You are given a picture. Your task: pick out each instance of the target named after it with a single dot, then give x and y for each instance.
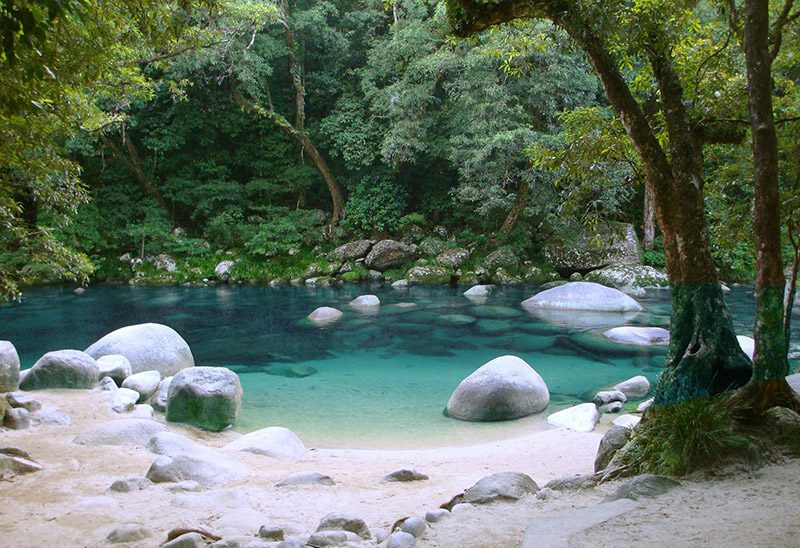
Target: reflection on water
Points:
(366, 380)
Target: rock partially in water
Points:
(325, 315)
(275, 441)
(116, 366)
(9, 367)
(504, 388)
(207, 397)
(580, 418)
(634, 388)
(583, 296)
(638, 335)
(305, 478)
(502, 486)
(479, 291)
(62, 369)
(148, 346)
(366, 303)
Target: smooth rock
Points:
(400, 284)
(116, 366)
(502, 486)
(145, 383)
(128, 533)
(583, 296)
(305, 478)
(142, 411)
(363, 302)
(794, 382)
(26, 401)
(634, 388)
(188, 540)
(479, 291)
(51, 416)
(14, 462)
(183, 459)
(127, 485)
(62, 369)
(344, 522)
(223, 270)
(120, 432)
(452, 258)
(613, 440)
(646, 486)
(207, 397)
(404, 474)
(271, 533)
(504, 388)
(612, 407)
(17, 418)
(148, 347)
(332, 538)
(604, 397)
(184, 486)
(325, 315)
(638, 335)
(580, 418)
(414, 526)
(124, 400)
(645, 405)
(388, 254)
(274, 441)
(107, 384)
(401, 539)
(572, 483)
(462, 507)
(748, 345)
(353, 250)
(159, 399)
(628, 421)
(436, 515)
(9, 367)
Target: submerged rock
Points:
(638, 335)
(583, 296)
(9, 367)
(366, 303)
(148, 347)
(62, 369)
(504, 388)
(207, 397)
(275, 441)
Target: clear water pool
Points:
(377, 380)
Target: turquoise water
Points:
(377, 380)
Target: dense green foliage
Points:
(148, 128)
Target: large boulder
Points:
(583, 296)
(502, 486)
(634, 388)
(452, 258)
(428, 275)
(148, 346)
(353, 250)
(120, 432)
(207, 397)
(580, 418)
(276, 441)
(62, 369)
(503, 257)
(388, 254)
(628, 275)
(611, 243)
(9, 367)
(638, 335)
(504, 388)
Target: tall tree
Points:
(704, 357)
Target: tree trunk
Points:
(517, 209)
(791, 286)
(649, 221)
(704, 357)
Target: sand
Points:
(69, 503)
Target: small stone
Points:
(604, 397)
(642, 407)
(321, 539)
(436, 515)
(107, 384)
(128, 533)
(21, 399)
(123, 400)
(404, 474)
(188, 540)
(401, 539)
(414, 526)
(116, 366)
(17, 419)
(305, 478)
(145, 383)
(131, 484)
(344, 522)
(271, 533)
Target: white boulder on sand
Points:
(479, 291)
(183, 459)
(145, 383)
(504, 388)
(638, 335)
(9, 367)
(580, 418)
(583, 296)
(115, 366)
(148, 346)
(275, 441)
(366, 303)
(207, 397)
(748, 345)
(62, 369)
(325, 315)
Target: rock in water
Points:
(635, 387)
(583, 296)
(502, 486)
(62, 369)
(145, 383)
(325, 315)
(275, 441)
(148, 346)
(365, 303)
(638, 335)
(504, 388)
(581, 418)
(9, 367)
(207, 397)
(115, 366)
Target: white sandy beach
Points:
(69, 503)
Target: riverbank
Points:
(70, 500)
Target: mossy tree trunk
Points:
(704, 357)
